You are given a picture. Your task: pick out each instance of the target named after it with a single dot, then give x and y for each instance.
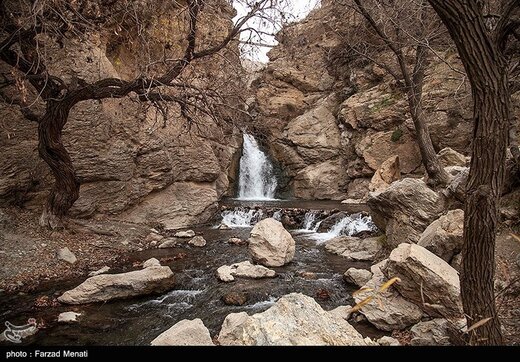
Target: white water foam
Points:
(241, 217)
(348, 226)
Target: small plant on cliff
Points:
(396, 135)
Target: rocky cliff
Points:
(129, 161)
(331, 118)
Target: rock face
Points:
(294, 320)
(127, 163)
(185, 333)
(66, 255)
(185, 234)
(270, 244)
(421, 270)
(152, 279)
(343, 119)
(245, 270)
(393, 311)
(405, 209)
(388, 172)
(444, 236)
(354, 248)
(357, 277)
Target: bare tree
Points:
(481, 31)
(161, 81)
(403, 26)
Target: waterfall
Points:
(351, 225)
(309, 221)
(256, 176)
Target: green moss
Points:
(385, 102)
(396, 135)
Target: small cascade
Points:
(241, 217)
(256, 179)
(309, 221)
(351, 225)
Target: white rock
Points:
(224, 273)
(224, 227)
(425, 277)
(150, 263)
(390, 311)
(270, 244)
(185, 333)
(168, 243)
(357, 277)
(185, 234)
(197, 241)
(68, 317)
(343, 312)
(245, 270)
(294, 320)
(103, 270)
(104, 287)
(66, 255)
(354, 248)
(449, 157)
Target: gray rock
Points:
(169, 243)
(68, 317)
(66, 255)
(185, 333)
(443, 237)
(435, 332)
(357, 277)
(356, 249)
(153, 237)
(103, 270)
(425, 277)
(389, 310)
(197, 241)
(224, 273)
(343, 312)
(456, 262)
(294, 320)
(388, 341)
(270, 244)
(104, 287)
(185, 234)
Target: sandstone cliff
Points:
(128, 160)
(331, 121)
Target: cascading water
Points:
(309, 221)
(256, 176)
(241, 217)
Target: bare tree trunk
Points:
(437, 176)
(487, 73)
(66, 188)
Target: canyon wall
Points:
(331, 121)
(129, 161)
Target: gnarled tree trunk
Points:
(487, 73)
(50, 147)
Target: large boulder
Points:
(449, 157)
(185, 333)
(388, 172)
(444, 236)
(391, 311)
(294, 320)
(426, 280)
(270, 244)
(245, 270)
(405, 209)
(153, 278)
(356, 249)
